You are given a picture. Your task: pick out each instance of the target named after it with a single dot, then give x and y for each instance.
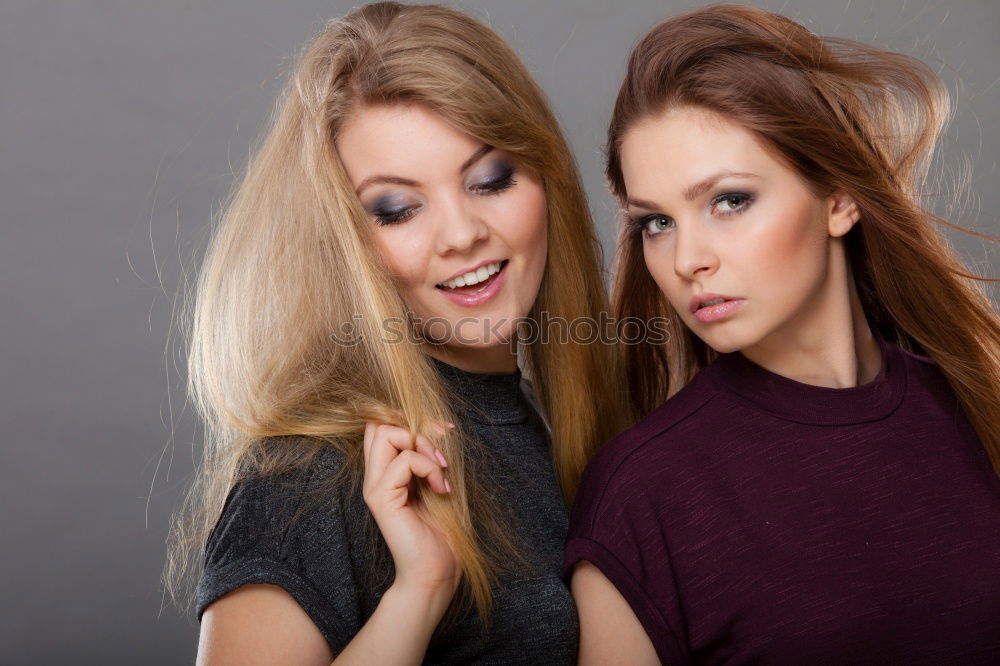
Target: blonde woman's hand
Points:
(424, 561)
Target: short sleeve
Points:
(260, 540)
(614, 525)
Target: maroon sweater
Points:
(755, 519)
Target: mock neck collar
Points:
(485, 397)
(817, 405)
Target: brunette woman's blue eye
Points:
(731, 203)
(502, 178)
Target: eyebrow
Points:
(699, 188)
(396, 180)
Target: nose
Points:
(693, 253)
(460, 227)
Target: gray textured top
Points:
(323, 559)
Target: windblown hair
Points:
(294, 260)
(845, 116)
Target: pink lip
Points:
(720, 311)
(698, 299)
(484, 295)
(469, 270)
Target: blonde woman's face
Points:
(721, 217)
(461, 227)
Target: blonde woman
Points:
(375, 466)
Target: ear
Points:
(842, 214)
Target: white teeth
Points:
(473, 277)
(714, 301)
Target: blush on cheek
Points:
(659, 263)
(405, 258)
(791, 235)
(789, 259)
(528, 233)
(535, 215)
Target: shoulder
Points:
(919, 362)
(272, 517)
(925, 378)
(920, 367)
(618, 471)
(295, 530)
(933, 406)
(266, 497)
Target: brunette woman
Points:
(815, 477)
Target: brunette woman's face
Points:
(735, 240)
(460, 225)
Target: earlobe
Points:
(844, 213)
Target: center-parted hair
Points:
(293, 265)
(844, 116)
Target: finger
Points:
(407, 465)
(369, 436)
(425, 447)
(441, 428)
(387, 443)
(370, 428)
(384, 442)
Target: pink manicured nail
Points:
(447, 486)
(440, 457)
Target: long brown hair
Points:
(293, 259)
(844, 115)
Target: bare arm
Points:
(259, 625)
(610, 633)
(264, 625)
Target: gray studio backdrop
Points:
(121, 125)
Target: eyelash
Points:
(384, 219)
(497, 185)
(489, 188)
(745, 200)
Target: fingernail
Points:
(447, 486)
(440, 457)
(451, 425)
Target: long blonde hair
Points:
(844, 115)
(293, 260)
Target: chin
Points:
(473, 333)
(724, 348)
(723, 342)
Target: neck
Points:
(828, 345)
(494, 360)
